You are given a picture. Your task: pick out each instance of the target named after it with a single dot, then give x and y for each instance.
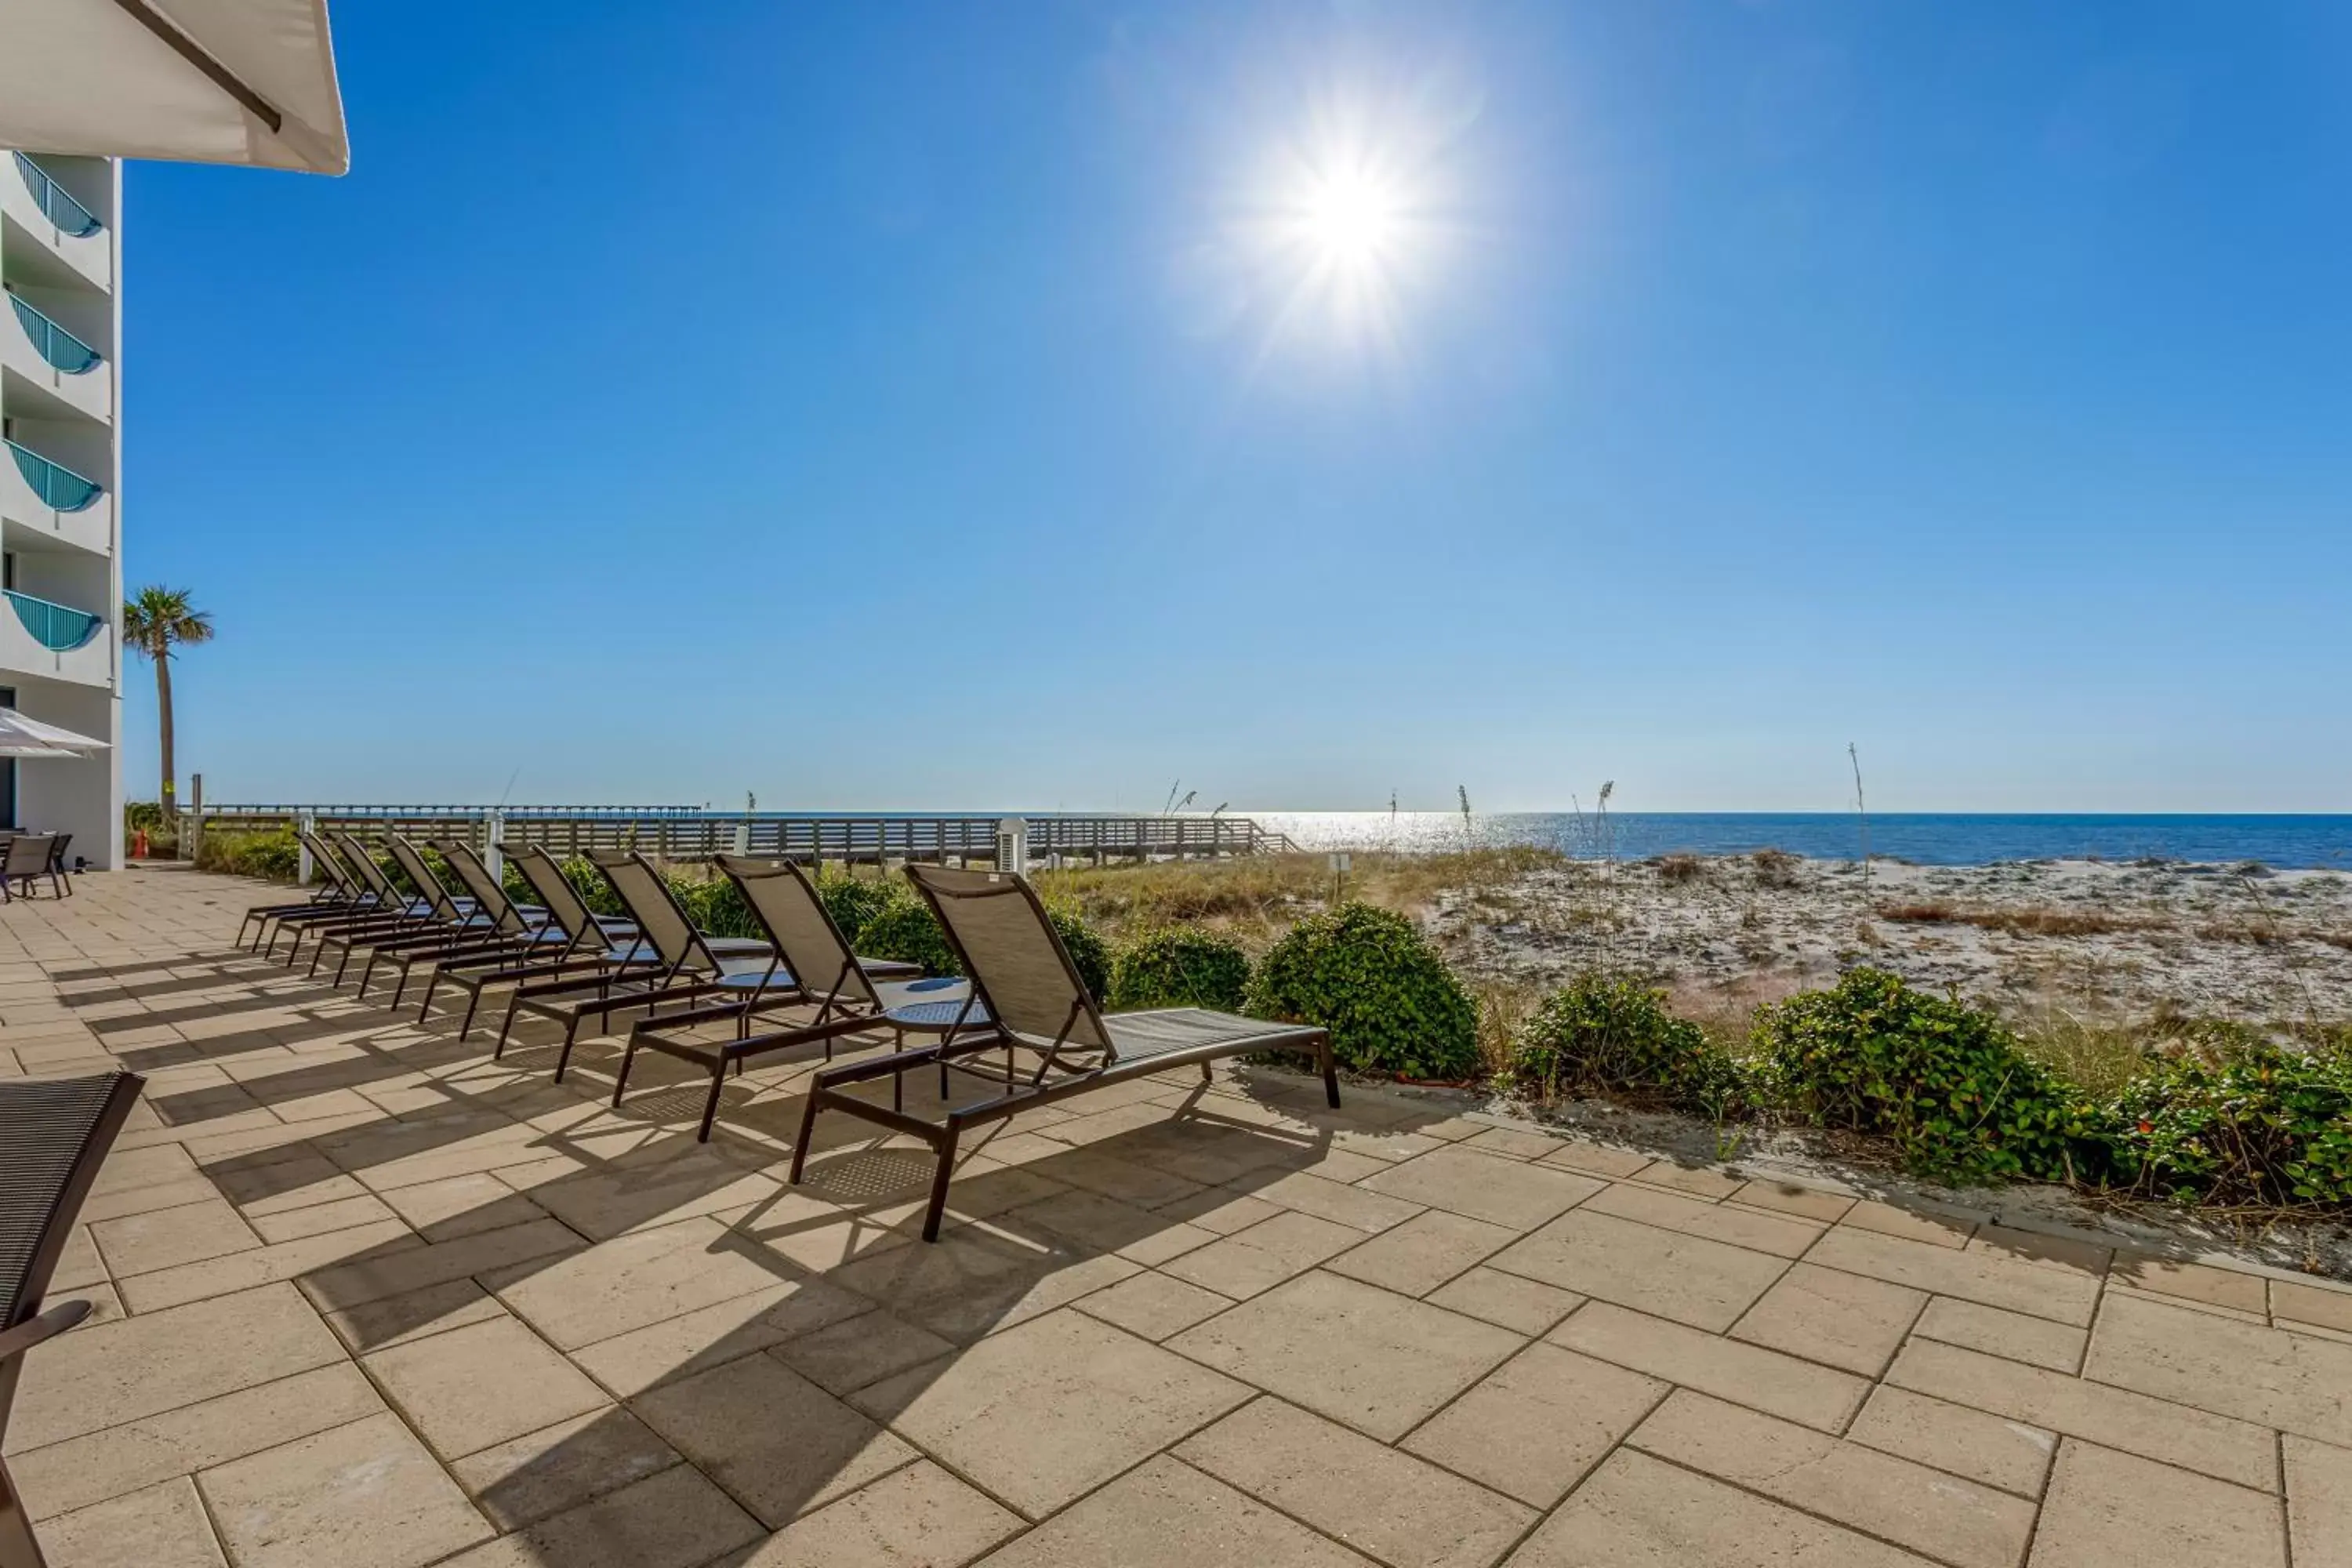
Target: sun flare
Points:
(1350, 217)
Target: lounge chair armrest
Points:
(48, 1326)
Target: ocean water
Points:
(1928, 838)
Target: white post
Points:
(742, 838)
(494, 834)
(305, 825)
(195, 837)
(1013, 845)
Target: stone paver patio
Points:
(372, 1299)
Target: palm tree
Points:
(154, 622)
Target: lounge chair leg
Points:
(939, 1181)
(507, 1024)
(808, 1130)
(1208, 1073)
(564, 1060)
(1330, 1071)
(711, 1105)
(467, 1027)
(401, 989)
(431, 984)
(628, 1055)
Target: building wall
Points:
(72, 559)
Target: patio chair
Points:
(691, 962)
(384, 908)
(1027, 994)
(58, 869)
(337, 893)
(26, 862)
(816, 968)
(53, 1136)
(438, 918)
(467, 926)
(593, 944)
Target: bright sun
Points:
(1351, 218)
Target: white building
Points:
(60, 521)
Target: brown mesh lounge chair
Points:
(447, 921)
(334, 894)
(690, 963)
(53, 1136)
(504, 930)
(359, 901)
(1027, 994)
(815, 968)
(593, 944)
(26, 861)
(387, 907)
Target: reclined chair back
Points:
(1019, 968)
(785, 903)
(565, 907)
(429, 887)
(29, 856)
(489, 897)
(53, 1136)
(343, 883)
(361, 859)
(646, 896)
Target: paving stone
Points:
(1787, 1198)
(462, 1205)
(318, 1219)
(164, 1238)
(1595, 1159)
(1641, 1512)
(120, 1459)
(1383, 1503)
(633, 1192)
(1911, 1505)
(2037, 1342)
(861, 1350)
(1375, 1361)
(561, 1467)
(2318, 1502)
(2114, 1418)
(978, 1279)
(79, 1263)
(397, 1320)
(711, 1336)
(1500, 1192)
(538, 1244)
(1257, 1260)
(1492, 1296)
(1822, 1315)
(162, 1527)
(365, 1495)
(1153, 1305)
(2034, 1286)
(2302, 1304)
(1760, 1379)
(673, 1520)
(2001, 1452)
(1779, 1235)
(1538, 1423)
(918, 1517)
(2192, 1282)
(1045, 1411)
(631, 1281)
(1911, 1224)
(140, 1366)
(1418, 1255)
(300, 1259)
(1688, 1278)
(2293, 1382)
(1698, 1180)
(481, 1385)
(147, 1199)
(777, 1442)
(1363, 1208)
(2110, 1509)
(1107, 1224)
(1219, 1209)
(1165, 1514)
(1511, 1143)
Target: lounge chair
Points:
(438, 919)
(335, 893)
(1027, 994)
(691, 963)
(53, 1136)
(817, 969)
(58, 869)
(385, 907)
(495, 926)
(27, 861)
(593, 944)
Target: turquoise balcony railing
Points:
(57, 345)
(59, 487)
(55, 626)
(70, 216)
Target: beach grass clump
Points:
(1371, 978)
(1179, 966)
(1605, 1033)
(273, 857)
(1945, 1083)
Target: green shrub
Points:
(1090, 954)
(1605, 1033)
(1179, 966)
(2237, 1121)
(1945, 1081)
(714, 904)
(590, 884)
(1370, 977)
(853, 902)
(905, 929)
(274, 856)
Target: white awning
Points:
(23, 737)
(205, 81)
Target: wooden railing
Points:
(679, 833)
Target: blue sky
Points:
(937, 407)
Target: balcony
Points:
(52, 236)
(68, 216)
(56, 640)
(50, 370)
(43, 504)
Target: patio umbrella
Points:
(205, 81)
(23, 737)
